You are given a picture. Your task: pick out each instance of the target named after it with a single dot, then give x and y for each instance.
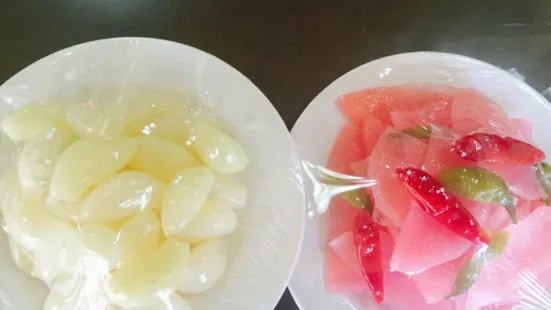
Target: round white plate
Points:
(265, 246)
(317, 127)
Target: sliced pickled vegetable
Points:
(420, 132)
(480, 185)
(184, 196)
(205, 268)
(213, 220)
(481, 258)
(227, 189)
(219, 151)
(32, 119)
(96, 251)
(137, 281)
(161, 158)
(123, 195)
(88, 162)
(139, 236)
(22, 258)
(37, 160)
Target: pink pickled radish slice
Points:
(381, 101)
(348, 147)
(524, 259)
(424, 243)
(392, 151)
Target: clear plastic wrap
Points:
(429, 189)
(134, 177)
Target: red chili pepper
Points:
(368, 249)
(483, 146)
(436, 201)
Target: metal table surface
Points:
(291, 49)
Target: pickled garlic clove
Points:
(141, 108)
(213, 220)
(32, 119)
(135, 283)
(41, 234)
(175, 128)
(93, 120)
(76, 292)
(217, 150)
(22, 258)
(37, 161)
(123, 195)
(139, 236)
(184, 197)
(32, 227)
(88, 162)
(66, 211)
(161, 158)
(95, 252)
(227, 189)
(206, 266)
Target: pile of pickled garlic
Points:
(124, 205)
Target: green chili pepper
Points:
(420, 132)
(470, 272)
(480, 185)
(356, 197)
(543, 172)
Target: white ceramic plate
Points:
(317, 127)
(267, 242)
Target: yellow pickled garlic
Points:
(42, 234)
(23, 258)
(139, 235)
(227, 189)
(123, 195)
(89, 119)
(32, 119)
(206, 266)
(88, 162)
(217, 150)
(139, 109)
(174, 127)
(136, 282)
(127, 115)
(161, 158)
(76, 292)
(37, 161)
(215, 219)
(29, 224)
(184, 197)
(95, 252)
(67, 211)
